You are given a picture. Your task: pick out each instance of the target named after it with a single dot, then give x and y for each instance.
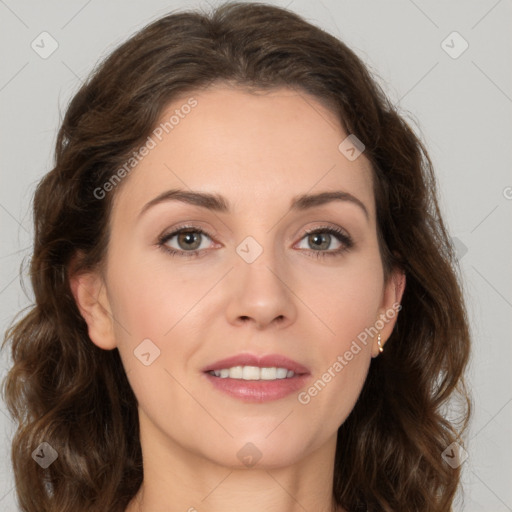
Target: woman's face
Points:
(247, 279)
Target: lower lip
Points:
(258, 390)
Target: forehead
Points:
(249, 146)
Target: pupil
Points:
(188, 238)
(317, 240)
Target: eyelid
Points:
(190, 227)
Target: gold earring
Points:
(378, 343)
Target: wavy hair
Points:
(63, 390)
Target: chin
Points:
(256, 452)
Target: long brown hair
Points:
(65, 391)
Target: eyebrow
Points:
(218, 203)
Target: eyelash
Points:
(340, 235)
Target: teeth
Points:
(253, 373)
(237, 372)
(268, 373)
(281, 373)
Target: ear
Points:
(389, 309)
(91, 298)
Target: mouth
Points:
(253, 378)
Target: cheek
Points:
(346, 299)
(148, 296)
(149, 302)
(152, 307)
(341, 372)
(349, 307)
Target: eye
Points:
(322, 239)
(189, 241)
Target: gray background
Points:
(461, 107)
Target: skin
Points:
(259, 151)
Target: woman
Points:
(245, 295)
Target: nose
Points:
(262, 293)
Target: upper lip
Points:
(263, 361)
